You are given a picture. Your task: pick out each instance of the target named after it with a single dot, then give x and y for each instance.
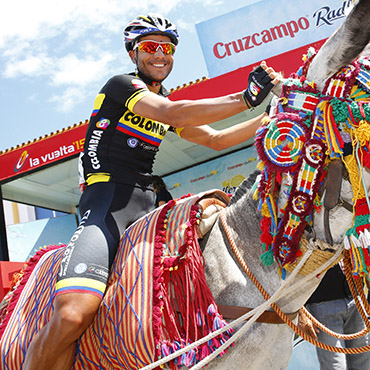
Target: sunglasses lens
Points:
(168, 48)
(148, 47)
(151, 47)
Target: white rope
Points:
(261, 308)
(255, 313)
(277, 295)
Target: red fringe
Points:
(26, 273)
(185, 310)
(159, 240)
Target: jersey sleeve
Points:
(126, 90)
(176, 130)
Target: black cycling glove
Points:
(259, 85)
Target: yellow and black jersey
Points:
(120, 145)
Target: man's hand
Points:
(306, 325)
(260, 82)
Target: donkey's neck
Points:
(243, 222)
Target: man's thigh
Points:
(331, 314)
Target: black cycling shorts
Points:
(106, 209)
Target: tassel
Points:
(367, 160)
(267, 258)
(216, 324)
(265, 211)
(199, 318)
(355, 258)
(211, 309)
(205, 351)
(190, 358)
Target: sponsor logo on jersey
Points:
(148, 147)
(103, 123)
(138, 84)
(151, 132)
(71, 245)
(96, 270)
(80, 268)
(132, 142)
(92, 148)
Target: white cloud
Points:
(72, 44)
(70, 70)
(29, 66)
(43, 19)
(69, 98)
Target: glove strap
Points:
(246, 101)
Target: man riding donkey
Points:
(117, 165)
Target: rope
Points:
(274, 297)
(259, 310)
(298, 331)
(360, 307)
(255, 313)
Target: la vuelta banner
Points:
(42, 152)
(266, 29)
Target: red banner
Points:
(42, 152)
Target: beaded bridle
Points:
(310, 130)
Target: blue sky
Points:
(55, 56)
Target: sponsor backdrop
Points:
(225, 173)
(266, 29)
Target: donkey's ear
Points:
(344, 45)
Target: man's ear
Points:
(132, 55)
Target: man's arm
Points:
(185, 113)
(223, 139)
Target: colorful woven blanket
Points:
(157, 300)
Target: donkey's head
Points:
(319, 131)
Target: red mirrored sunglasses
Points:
(149, 46)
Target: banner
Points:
(265, 29)
(225, 173)
(42, 152)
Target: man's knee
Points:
(74, 314)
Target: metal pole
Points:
(4, 254)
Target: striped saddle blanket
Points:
(157, 300)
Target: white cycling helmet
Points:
(151, 24)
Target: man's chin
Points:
(160, 78)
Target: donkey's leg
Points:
(53, 348)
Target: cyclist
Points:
(131, 116)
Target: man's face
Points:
(156, 66)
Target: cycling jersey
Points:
(120, 146)
(116, 165)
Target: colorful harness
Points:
(309, 130)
